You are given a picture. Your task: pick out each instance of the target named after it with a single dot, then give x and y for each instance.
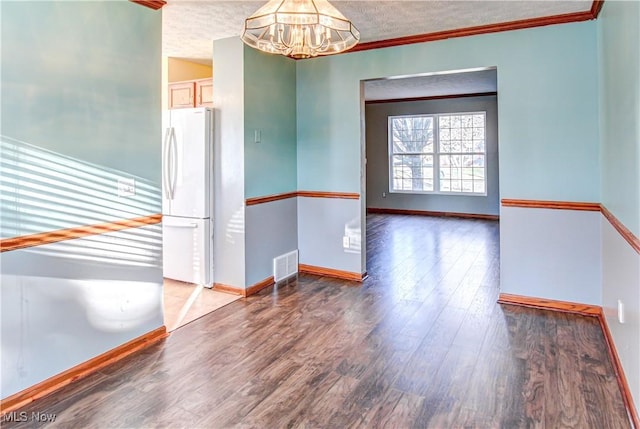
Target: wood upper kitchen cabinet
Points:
(192, 93)
(204, 92)
(182, 94)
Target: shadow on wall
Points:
(44, 191)
(69, 300)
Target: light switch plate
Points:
(126, 187)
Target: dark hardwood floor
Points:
(421, 343)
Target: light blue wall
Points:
(619, 39)
(547, 104)
(269, 107)
(270, 166)
(64, 303)
(328, 124)
(93, 95)
(322, 225)
(619, 60)
(80, 108)
(272, 230)
(551, 254)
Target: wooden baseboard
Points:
(330, 272)
(584, 310)
(617, 367)
(26, 396)
(251, 290)
(221, 287)
(432, 213)
(550, 304)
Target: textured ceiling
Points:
(190, 26)
(451, 83)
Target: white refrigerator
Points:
(187, 195)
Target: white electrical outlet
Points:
(126, 187)
(620, 311)
(346, 242)
(384, 195)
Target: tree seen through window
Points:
(453, 145)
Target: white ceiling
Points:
(450, 83)
(190, 26)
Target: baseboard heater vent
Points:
(285, 266)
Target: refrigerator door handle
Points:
(174, 158)
(165, 167)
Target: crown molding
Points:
(484, 29)
(596, 7)
(153, 4)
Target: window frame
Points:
(436, 155)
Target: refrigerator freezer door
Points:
(187, 254)
(187, 163)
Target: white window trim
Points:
(436, 155)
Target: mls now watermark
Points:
(23, 416)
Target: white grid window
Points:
(444, 153)
(411, 160)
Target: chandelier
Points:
(299, 29)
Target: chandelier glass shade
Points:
(299, 29)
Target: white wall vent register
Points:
(285, 266)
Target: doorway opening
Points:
(430, 146)
(187, 85)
